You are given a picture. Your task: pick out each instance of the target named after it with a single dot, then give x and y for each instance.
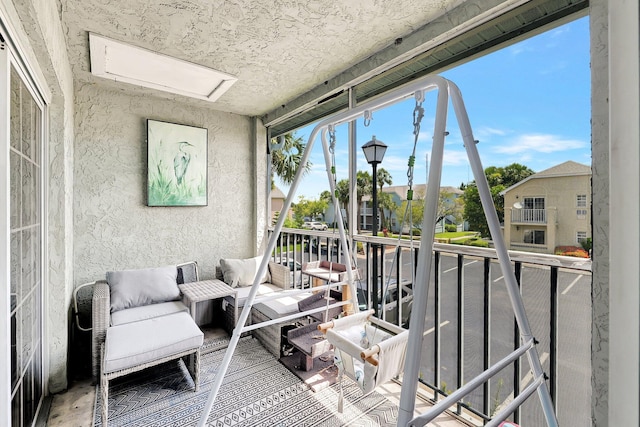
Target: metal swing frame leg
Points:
(412, 365)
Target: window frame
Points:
(534, 236)
(581, 200)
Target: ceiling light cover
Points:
(121, 62)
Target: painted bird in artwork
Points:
(181, 161)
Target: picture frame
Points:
(177, 172)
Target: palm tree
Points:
(383, 177)
(363, 185)
(342, 194)
(286, 160)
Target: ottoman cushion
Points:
(139, 343)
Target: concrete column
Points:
(598, 15)
(624, 213)
(507, 227)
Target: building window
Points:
(534, 203)
(581, 213)
(581, 200)
(535, 237)
(581, 236)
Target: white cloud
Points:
(540, 143)
(517, 49)
(484, 132)
(455, 158)
(560, 31)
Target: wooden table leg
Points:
(306, 362)
(346, 296)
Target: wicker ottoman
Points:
(134, 346)
(270, 336)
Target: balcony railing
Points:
(470, 323)
(529, 216)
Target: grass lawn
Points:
(455, 234)
(295, 248)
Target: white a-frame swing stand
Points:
(445, 89)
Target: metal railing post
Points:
(486, 353)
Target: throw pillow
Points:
(135, 288)
(242, 272)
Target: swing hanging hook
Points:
(332, 139)
(368, 116)
(418, 114)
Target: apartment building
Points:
(548, 209)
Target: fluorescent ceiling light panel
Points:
(125, 63)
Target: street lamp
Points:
(374, 152)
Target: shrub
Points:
(479, 243)
(451, 228)
(571, 251)
(473, 241)
(416, 232)
(587, 244)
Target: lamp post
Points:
(374, 152)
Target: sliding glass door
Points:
(23, 151)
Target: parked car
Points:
(323, 246)
(315, 225)
(296, 272)
(391, 300)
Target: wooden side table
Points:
(325, 271)
(310, 342)
(207, 290)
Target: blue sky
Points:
(528, 103)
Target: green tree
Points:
(450, 205)
(342, 194)
(386, 204)
(308, 209)
(326, 196)
(416, 214)
(499, 179)
(286, 161)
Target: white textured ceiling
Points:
(277, 49)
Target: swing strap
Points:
(418, 115)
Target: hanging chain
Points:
(332, 150)
(418, 114)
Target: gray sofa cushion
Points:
(242, 272)
(135, 288)
(146, 341)
(145, 312)
(243, 293)
(276, 308)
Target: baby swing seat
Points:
(367, 350)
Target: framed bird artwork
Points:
(177, 164)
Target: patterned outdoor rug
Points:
(257, 391)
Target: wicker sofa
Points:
(277, 279)
(130, 309)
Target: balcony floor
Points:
(75, 407)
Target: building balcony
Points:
(469, 326)
(528, 216)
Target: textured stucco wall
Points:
(113, 227)
(39, 31)
(600, 210)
